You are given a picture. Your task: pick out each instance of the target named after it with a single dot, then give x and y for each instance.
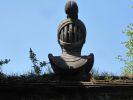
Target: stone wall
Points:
(67, 91)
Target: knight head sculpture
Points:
(71, 38)
(72, 31)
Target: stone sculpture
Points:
(71, 38)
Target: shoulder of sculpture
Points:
(74, 63)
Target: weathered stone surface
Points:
(67, 91)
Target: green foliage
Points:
(2, 75)
(95, 73)
(2, 62)
(5, 61)
(127, 70)
(37, 65)
(107, 76)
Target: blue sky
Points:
(26, 24)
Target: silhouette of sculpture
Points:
(71, 37)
